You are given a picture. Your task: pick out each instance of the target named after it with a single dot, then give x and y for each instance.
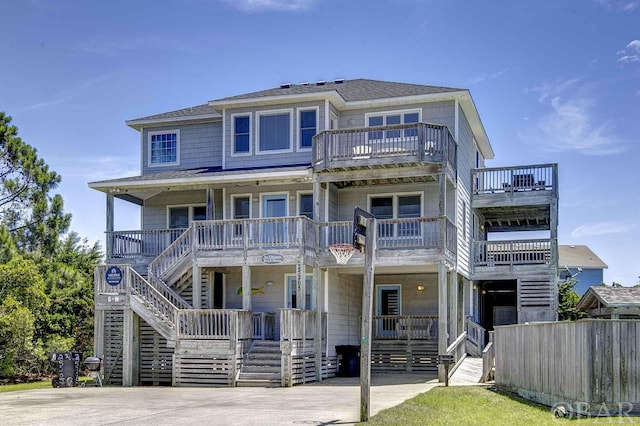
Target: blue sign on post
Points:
(113, 276)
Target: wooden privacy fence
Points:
(584, 364)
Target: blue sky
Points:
(553, 80)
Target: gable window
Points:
(307, 126)
(274, 131)
(305, 205)
(405, 206)
(164, 148)
(391, 118)
(241, 134)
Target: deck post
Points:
(367, 312)
(317, 341)
(128, 343)
(442, 317)
(246, 287)
(453, 305)
(210, 204)
(197, 286)
(109, 225)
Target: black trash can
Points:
(67, 365)
(348, 360)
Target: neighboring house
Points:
(580, 262)
(611, 302)
(230, 280)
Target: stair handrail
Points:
(476, 334)
(139, 286)
(488, 360)
(169, 293)
(176, 251)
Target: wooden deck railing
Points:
(488, 360)
(140, 244)
(475, 337)
(458, 348)
(423, 142)
(516, 252)
(539, 177)
(297, 324)
(215, 324)
(404, 327)
(296, 232)
(263, 325)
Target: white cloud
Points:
(631, 53)
(491, 76)
(619, 5)
(96, 168)
(601, 228)
(263, 5)
(570, 123)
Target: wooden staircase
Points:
(261, 365)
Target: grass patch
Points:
(476, 405)
(41, 384)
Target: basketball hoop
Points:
(342, 252)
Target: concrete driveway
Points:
(334, 401)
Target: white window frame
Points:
(233, 204)
(384, 114)
(299, 146)
(190, 206)
(233, 134)
(259, 114)
(333, 119)
(163, 132)
(309, 288)
(298, 195)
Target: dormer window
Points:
(164, 148)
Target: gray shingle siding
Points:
(200, 146)
(154, 212)
(434, 112)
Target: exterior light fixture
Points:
(269, 283)
(420, 287)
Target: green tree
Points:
(568, 299)
(33, 216)
(16, 338)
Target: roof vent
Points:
(339, 80)
(285, 85)
(304, 83)
(320, 83)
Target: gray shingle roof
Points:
(579, 256)
(191, 112)
(351, 90)
(615, 296)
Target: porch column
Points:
(196, 284)
(442, 316)
(209, 215)
(317, 303)
(453, 306)
(246, 287)
(109, 225)
(316, 201)
(301, 285)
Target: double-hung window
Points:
(241, 134)
(164, 148)
(274, 131)
(179, 217)
(307, 127)
(404, 206)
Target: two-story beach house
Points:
(230, 281)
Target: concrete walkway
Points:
(334, 401)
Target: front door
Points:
(388, 307)
(274, 233)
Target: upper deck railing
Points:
(537, 177)
(414, 142)
(288, 233)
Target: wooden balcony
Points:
(225, 242)
(534, 184)
(404, 327)
(489, 255)
(381, 146)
